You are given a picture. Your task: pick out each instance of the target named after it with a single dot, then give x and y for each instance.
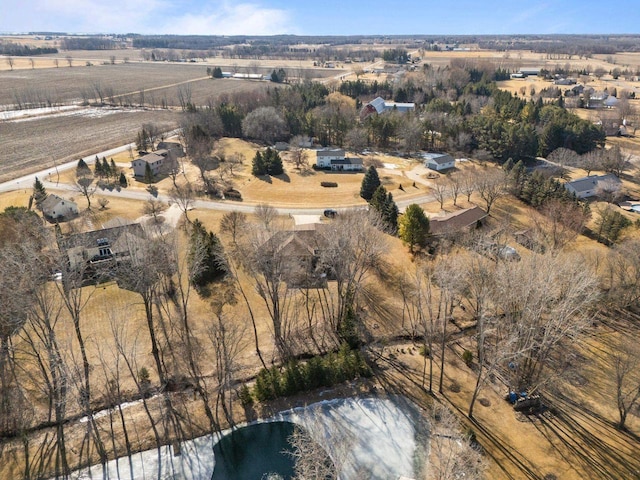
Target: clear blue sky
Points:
(328, 17)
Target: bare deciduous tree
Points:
(491, 185)
(440, 189)
(454, 184)
(297, 155)
(468, 182)
(453, 454)
(183, 196)
(84, 184)
(626, 361)
(154, 207)
(544, 301)
(264, 124)
(233, 223)
(184, 93)
(558, 223)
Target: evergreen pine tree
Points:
(106, 168)
(258, 165)
(113, 169)
(272, 162)
(275, 165)
(379, 199)
(98, 170)
(82, 168)
(123, 180)
(39, 192)
(206, 258)
(414, 227)
(391, 213)
(148, 173)
(370, 183)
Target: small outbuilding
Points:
(438, 161)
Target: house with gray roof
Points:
(438, 161)
(593, 185)
(96, 254)
(154, 160)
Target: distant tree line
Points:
(10, 48)
(88, 43)
(569, 45)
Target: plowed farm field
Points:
(33, 144)
(154, 84)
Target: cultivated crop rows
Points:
(32, 145)
(64, 84)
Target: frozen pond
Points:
(374, 437)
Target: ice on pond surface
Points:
(379, 433)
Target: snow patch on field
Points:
(381, 432)
(34, 112)
(107, 411)
(17, 116)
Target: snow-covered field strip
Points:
(380, 434)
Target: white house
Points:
(154, 160)
(325, 155)
(593, 185)
(438, 161)
(335, 159)
(58, 208)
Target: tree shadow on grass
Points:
(264, 178)
(306, 172)
(284, 177)
(397, 378)
(583, 433)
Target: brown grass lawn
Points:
(303, 188)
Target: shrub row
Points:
(319, 371)
(329, 184)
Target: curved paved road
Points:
(26, 182)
